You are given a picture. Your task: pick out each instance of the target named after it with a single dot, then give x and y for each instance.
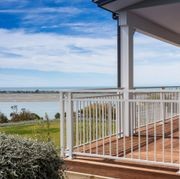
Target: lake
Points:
(40, 108)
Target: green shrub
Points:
(57, 115)
(3, 118)
(26, 159)
(24, 115)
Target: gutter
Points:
(102, 2)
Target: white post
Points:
(179, 130)
(126, 123)
(70, 126)
(127, 74)
(62, 143)
(110, 118)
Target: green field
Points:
(44, 131)
(38, 130)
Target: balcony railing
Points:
(138, 125)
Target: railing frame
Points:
(128, 118)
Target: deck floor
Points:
(153, 142)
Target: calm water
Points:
(40, 108)
(51, 108)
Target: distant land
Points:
(58, 89)
(45, 89)
(31, 92)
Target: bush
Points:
(27, 159)
(3, 118)
(24, 115)
(57, 115)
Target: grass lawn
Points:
(41, 131)
(38, 130)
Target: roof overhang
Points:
(148, 15)
(115, 5)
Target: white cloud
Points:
(51, 52)
(148, 49)
(158, 75)
(156, 63)
(99, 28)
(9, 80)
(13, 1)
(69, 10)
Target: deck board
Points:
(145, 145)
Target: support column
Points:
(126, 51)
(126, 66)
(118, 54)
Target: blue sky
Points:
(73, 43)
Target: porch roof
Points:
(162, 14)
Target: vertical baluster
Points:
(62, 131)
(179, 127)
(77, 125)
(117, 132)
(105, 124)
(131, 123)
(97, 127)
(103, 135)
(90, 128)
(171, 132)
(124, 129)
(146, 124)
(84, 130)
(154, 120)
(70, 125)
(87, 121)
(163, 133)
(110, 126)
(139, 139)
(80, 123)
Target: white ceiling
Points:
(167, 16)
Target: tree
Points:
(36, 116)
(24, 115)
(14, 108)
(3, 118)
(98, 110)
(57, 116)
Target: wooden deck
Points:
(120, 169)
(145, 144)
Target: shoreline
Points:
(31, 92)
